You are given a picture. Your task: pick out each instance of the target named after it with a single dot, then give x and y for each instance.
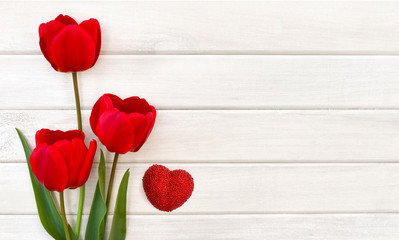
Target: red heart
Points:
(167, 190)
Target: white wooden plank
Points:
(235, 136)
(215, 27)
(210, 82)
(239, 188)
(233, 227)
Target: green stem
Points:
(82, 188)
(111, 182)
(77, 101)
(64, 221)
(80, 211)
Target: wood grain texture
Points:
(239, 188)
(284, 140)
(235, 136)
(232, 227)
(215, 27)
(209, 82)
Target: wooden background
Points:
(286, 113)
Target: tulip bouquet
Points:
(61, 160)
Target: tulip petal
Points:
(143, 106)
(66, 20)
(139, 124)
(134, 104)
(79, 155)
(137, 119)
(55, 170)
(85, 167)
(73, 153)
(73, 49)
(92, 26)
(71, 134)
(35, 160)
(128, 105)
(48, 136)
(154, 116)
(150, 117)
(44, 136)
(103, 104)
(114, 99)
(47, 33)
(143, 133)
(114, 129)
(67, 152)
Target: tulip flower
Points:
(122, 125)
(61, 159)
(70, 47)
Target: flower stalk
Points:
(82, 188)
(77, 100)
(110, 184)
(63, 216)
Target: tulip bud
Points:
(70, 47)
(61, 159)
(122, 125)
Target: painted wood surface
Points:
(285, 112)
(235, 136)
(235, 227)
(241, 189)
(215, 27)
(209, 82)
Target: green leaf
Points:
(95, 225)
(71, 233)
(101, 175)
(48, 213)
(118, 227)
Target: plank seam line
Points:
(230, 213)
(216, 109)
(199, 54)
(236, 163)
(224, 53)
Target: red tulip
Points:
(122, 125)
(70, 47)
(61, 159)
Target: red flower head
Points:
(61, 159)
(70, 47)
(122, 125)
